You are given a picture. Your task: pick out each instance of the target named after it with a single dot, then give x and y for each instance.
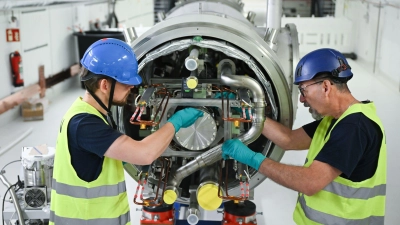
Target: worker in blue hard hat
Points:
(88, 177)
(343, 180)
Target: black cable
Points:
(112, 16)
(115, 15)
(110, 100)
(21, 184)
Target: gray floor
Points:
(276, 202)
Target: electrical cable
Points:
(9, 164)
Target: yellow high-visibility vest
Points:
(74, 201)
(343, 201)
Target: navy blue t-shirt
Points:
(353, 146)
(88, 140)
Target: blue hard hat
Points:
(113, 58)
(323, 60)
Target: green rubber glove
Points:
(185, 118)
(240, 152)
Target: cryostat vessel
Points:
(208, 55)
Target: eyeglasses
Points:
(302, 89)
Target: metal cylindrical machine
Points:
(163, 215)
(240, 80)
(239, 213)
(37, 165)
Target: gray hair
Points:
(340, 83)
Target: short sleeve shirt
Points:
(88, 140)
(353, 146)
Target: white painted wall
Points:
(47, 39)
(337, 35)
(368, 36)
(358, 21)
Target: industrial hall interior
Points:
(269, 112)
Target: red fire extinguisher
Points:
(16, 69)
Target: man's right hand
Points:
(185, 118)
(237, 150)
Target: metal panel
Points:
(337, 35)
(135, 13)
(35, 40)
(63, 56)
(35, 30)
(32, 60)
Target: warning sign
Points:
(12, 35)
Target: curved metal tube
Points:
(213, 155)
(14, 198)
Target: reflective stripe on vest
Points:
(83, 192)
(58, 220)
(359, 193)
(325, 218)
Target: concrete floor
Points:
(276, 202)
